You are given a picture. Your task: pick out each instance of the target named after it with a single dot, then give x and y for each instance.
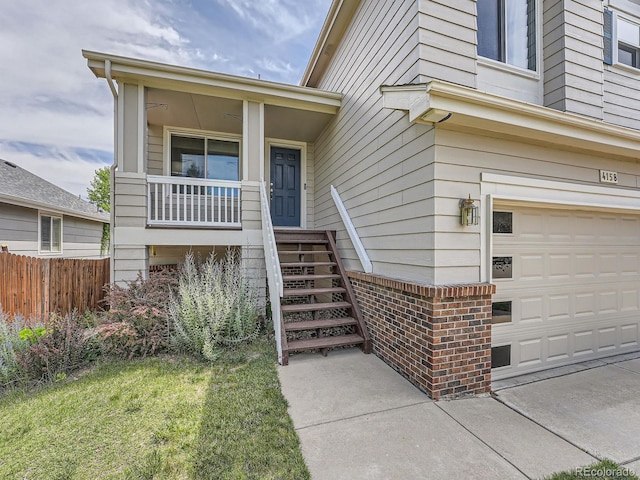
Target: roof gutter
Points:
(114, 166)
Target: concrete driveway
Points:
(594, 406)
(359, 419)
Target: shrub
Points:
(137, 323)
(215, 306)
(11, 342)
(64, 347)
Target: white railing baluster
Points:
(193, 201)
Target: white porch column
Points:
(252, 140)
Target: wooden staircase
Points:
(319, 309)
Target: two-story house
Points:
(478, 161)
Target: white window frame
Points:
(189, 132)
(630, 13)
(514, 69)
(51, 215)
(617, 42)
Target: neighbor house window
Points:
(205, 157)
(50, 233)
(507, 31)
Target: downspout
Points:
(112, 176)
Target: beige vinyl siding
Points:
(381, 31)
(553, 43)
(251, 213)
(130, 200)
(81, 238)
(310, 182)
(621, 99)
(128, 261)
(19, 229)
(572, 41)
(447, 35)
(462, 158)
(155, 160)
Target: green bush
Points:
(137, 323)
(11, 342)
(215, 306)
(64, 346)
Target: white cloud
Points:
(281, 20)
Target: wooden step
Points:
(297, 292)
(324, 342)
(307, 264)
(293, 278)
(305, 252)
(310, 307)
(322, 323)
(301, 240)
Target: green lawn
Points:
(165, 418)
(605, 470)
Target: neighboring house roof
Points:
(21, 187)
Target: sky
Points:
(56, 117)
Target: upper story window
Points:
(50, 234)
(204, 157)
(507, 31)
(621, 39)
(628, 43)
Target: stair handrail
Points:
(272, 261)
(351, 231)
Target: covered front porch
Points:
(199, 143)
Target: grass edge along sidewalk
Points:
(167, 417)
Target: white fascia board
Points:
(427, 103)
(21, 202)
(201, 81)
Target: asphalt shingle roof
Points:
(24, 185)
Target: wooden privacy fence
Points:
(35, 287)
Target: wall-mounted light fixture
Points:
(468, 212)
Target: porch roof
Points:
(196, 81)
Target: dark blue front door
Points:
(285, 187)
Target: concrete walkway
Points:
(359, 419)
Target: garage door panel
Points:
(629, 335)
(574, 287)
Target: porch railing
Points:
(351, 231)
(180, 201)
(274, 273)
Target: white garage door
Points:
(568, 287)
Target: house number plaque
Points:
(607, 176)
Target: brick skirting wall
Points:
(438, 337)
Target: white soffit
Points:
(463, 107)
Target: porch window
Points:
(507, 31)
(205, 157)
(50, 234)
